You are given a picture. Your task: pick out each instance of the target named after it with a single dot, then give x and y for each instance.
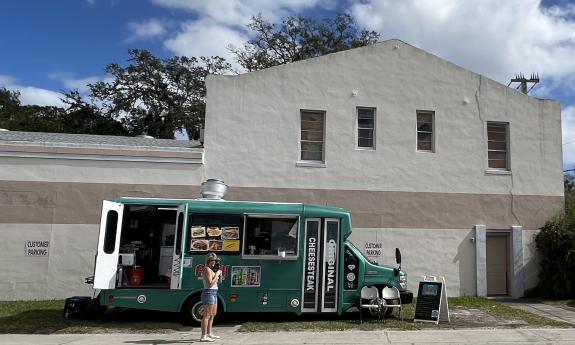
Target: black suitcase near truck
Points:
(77, 307)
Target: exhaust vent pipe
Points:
(213, 189)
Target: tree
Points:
(298, 38)
(556, 245)
(81, 117)
(158, 96)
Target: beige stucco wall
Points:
(253, 126)
(59, 199)
(60, 274)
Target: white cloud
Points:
(223, 23)
(31, 95)
(492, 37)
(148, 29)
(568, 128)
(204, 38)
(72, 83)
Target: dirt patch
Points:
(472, 318)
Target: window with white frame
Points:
(366, 128)
(312, 142)
(425, 137)
(498, 145)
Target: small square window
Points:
(312, 136)
(425, 136)
(498, 145)
(366, 128)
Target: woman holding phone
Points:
(211, 277)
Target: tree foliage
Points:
(298, 38)
(157, 96)
(556, 245)
(79, 118)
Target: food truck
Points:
(275, 257)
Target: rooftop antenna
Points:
(520, 78)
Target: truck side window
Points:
(272, 236)
(180, 233)
(111, 230)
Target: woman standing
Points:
(211, 276)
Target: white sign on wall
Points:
(37, 248)
(373, 251)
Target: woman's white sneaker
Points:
(206, 338)
(214, 336)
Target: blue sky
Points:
(51, 46)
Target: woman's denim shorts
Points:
(210, 296)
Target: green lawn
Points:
(46, 317)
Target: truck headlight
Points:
(403, 282)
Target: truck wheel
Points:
(193, 311)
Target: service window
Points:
(217, 233)
(272, 236)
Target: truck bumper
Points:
(406, 297)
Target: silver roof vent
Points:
(213, 189)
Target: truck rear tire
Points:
(193, 310)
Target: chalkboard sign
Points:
(431, 303)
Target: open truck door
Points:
(181, 225)
(108, 245)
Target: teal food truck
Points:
(275, 257)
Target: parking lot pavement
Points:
(230, 336)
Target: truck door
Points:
(321, 264)
(181, 226)
(108, 245)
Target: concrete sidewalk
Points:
(230, 336)
(549, 311)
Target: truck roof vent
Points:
(213, 189)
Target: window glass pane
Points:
(365, 123)
(498, 163)
(271, 236)
(311, 146)
(496, 136)
(311, 156)
(180, 233)
(365, 133)
(425, 117)
(497, 145)
(424, 137)
(364, 142)
(424, 127)
(310, 125)
(111, 230)
(312, 116)
(497, 155)
(424, 145)
(312, 135)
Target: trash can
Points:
(136, 276)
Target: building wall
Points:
(428, 204)
(59, 200)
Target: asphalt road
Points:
(231, 336)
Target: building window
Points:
(366, 128)
(312, 142)
(497, 145)
(425, 142)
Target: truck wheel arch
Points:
(190, 305)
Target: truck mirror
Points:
(398, 256)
